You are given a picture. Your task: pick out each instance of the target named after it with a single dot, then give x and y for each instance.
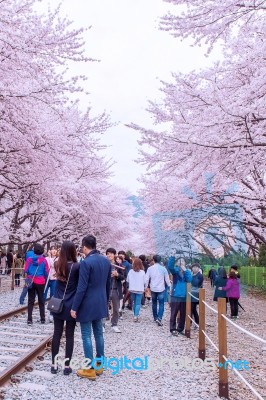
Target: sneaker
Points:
(159, 322)
(181, 333)
(174, 333)
(87, 373)
(120, 315)
(116, 329)
(29, 322)
(135, 319)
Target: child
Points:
(232, 289)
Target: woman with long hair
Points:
(136, 280)
(67, 274)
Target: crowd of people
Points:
(93, 288)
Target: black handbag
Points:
(55, 305)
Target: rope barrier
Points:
(211, 308)
(223, 379)
(209, 339)
(192, 320)
(193, 296)
(245, 381)
(244, 330)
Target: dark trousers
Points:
(9, 267)
(114, 298)
(17, 279)
(36, 289)
(194, 311)
(127, 298)
(175, 307)
(234, 306)
(58, 331)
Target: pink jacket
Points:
(232, 288)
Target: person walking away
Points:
(18, 269)
(116, 294)
(37, 270)
(232, 289)
(3, 263)
(67, 275)
(196, 284)
(10, 261)
(90, 304)
(156, 277)
(146, 266)
(181, 275)
(212, 275)
(136, 282)
(51, 281)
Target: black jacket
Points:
(70, 292)
(116, 283)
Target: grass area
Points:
(252, 276)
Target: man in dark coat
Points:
(90, 304)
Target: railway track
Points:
(21, 343)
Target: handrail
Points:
(223, 382)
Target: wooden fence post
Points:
(222, 338)
(188, 311)
(12, 274)
(202, 325)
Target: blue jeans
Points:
(23, 295)
(157, 297)
(51, 285)
(136, 300)
(97, 328)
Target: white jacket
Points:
(136, 281)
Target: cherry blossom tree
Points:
(212, 120)
(53, 178)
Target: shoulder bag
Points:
(55, 305)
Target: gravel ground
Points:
(10, 299)
(160, 382)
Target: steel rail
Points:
(22, 362)
(16, 311)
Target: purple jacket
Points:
(232, 288)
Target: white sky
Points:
(134, 56)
